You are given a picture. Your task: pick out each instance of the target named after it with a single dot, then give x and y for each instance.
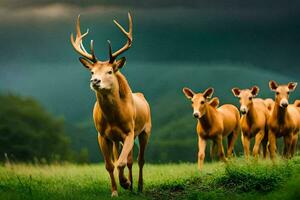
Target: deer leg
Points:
(287, 146)
(129, 166)
(201, 152)
(265, 147)
(221, 149)
(143, 141)
(127, 147)
(106, 149)
(246, 145)
(272, 144)
(258, 138)
(213, 149)
(294, 144)
(124, 182)
(122, 161)
(231, 141)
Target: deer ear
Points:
(236, 92)
(208, 93)
(119, 64)
(188, 93)
(254, 91)
(86, 63)
(214, 102)
(292, 86)
(273, 85)
(297, 103)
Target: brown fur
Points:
(214, 123)
(254, 121)
(284, 121)
(119, 115)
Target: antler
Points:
(78, 46)
(113, 56)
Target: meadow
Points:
(238, 179)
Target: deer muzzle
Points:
(284, 103)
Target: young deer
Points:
(254, 119)
(213, 123)
(119, 115)
(284, 120)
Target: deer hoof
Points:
(114, 194)
(126, 185)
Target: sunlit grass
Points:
(237, 179)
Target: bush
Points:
(28, 132)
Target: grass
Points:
(239, 179)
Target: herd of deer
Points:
(121, 115)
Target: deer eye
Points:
(277, 93)
(109, 72)
(92, 72)
(288, 92)
(202, 102)
(250, 98)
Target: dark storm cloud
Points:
(239, 9)
(226, 4)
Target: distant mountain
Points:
(173, 124)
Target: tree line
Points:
(28, 133)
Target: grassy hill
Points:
(239, 179)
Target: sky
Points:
(258, 8)
(35, 45)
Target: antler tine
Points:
(77, 44)
(128, 35)
(111, 58)
(78, 31)
(92, 50)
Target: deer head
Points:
(200, 100)
(246, 97)
(282, 92)
(103, 76)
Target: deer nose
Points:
(284, 103)
(95, 81)
(243, 109)
(196, 114)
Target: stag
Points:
(119, 114)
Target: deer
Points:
(284, 120)
(213, 123)
(119, 114)
(255, 114)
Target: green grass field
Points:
(238, 179)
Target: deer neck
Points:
(280, 113)
(208, 118)
(112, 101)
(251, 114)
